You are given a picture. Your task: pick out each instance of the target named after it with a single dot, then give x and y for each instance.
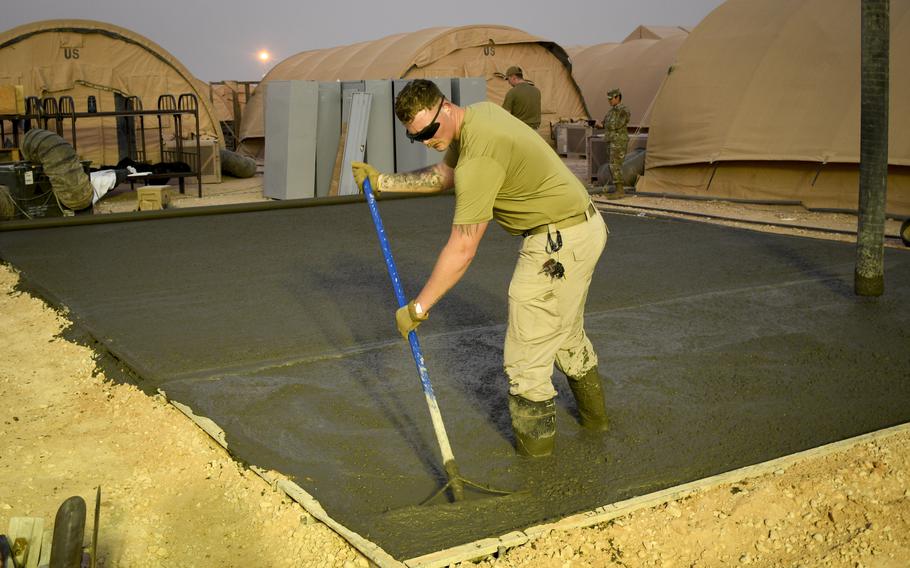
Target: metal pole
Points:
(869, 275)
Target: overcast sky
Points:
(219, 39)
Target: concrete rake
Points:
(456, 483)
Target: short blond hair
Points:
(418, 95)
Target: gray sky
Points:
(218, 39)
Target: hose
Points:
(61, 165)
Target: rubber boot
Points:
(618, 194)
(534, 424)
(589, 397)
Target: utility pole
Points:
(869, 275)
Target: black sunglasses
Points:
(427, 131)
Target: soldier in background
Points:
(523, 99)
(615, 123)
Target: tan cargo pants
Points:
(546, 315)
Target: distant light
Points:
(264, 55)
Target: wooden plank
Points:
(371, 550)
(47, 539)
(339, 159)
(207, 424)
(34, 543)
(464, 553)
(469, 552)
(30, 529)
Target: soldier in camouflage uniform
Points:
(615, 123)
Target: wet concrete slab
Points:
(720, 347)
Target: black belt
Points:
(589, 212)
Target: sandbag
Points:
(604, 175)
(58, 159)
(236, 165)
(633, 166)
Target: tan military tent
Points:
(219, 97)
(573, 50)
(764, 104)
(635, 66)
(469, 51)
(229, 100)
(227, 97)
(656, 32)
(82, 58)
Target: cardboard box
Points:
(211, 157)
(153, 197)
(12, 99)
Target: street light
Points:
(264, 58)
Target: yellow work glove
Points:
(363, 171)
(408, 319)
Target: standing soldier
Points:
(615, 123)
(523, 99)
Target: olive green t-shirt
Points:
(523, 101)
(507, 172)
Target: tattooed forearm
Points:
(467, 230)
(426, 180)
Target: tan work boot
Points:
(589, 396)
(534, 424)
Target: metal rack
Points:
(61, 110)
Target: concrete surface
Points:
(721, 347)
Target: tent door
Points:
(126, 131)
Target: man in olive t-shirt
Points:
(505, 172)
(523, 99)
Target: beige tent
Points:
(469, 51)
(656, 32)
(228, 100)
(573, 50)
(82, 58)
(227, 97)
(635, 66)
(764, 104)
(219, 97)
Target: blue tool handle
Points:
(384, 243)
(442, 438)
(396, 284)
